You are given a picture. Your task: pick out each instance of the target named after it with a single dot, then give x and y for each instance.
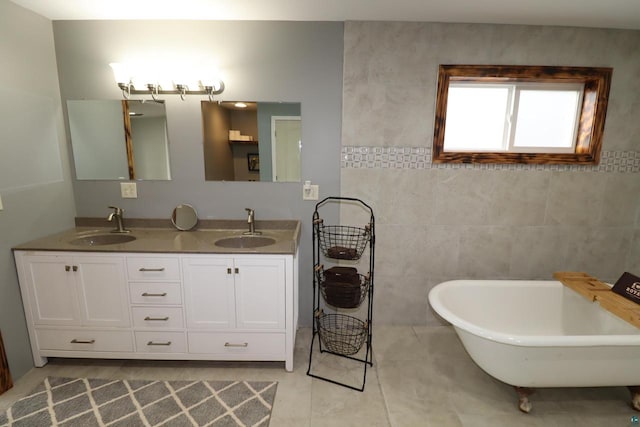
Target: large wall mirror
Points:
(252, 141)
(119, 140)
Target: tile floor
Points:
(421, 377)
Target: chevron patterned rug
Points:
(83, 402)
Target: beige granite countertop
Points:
(159, 238)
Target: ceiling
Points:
(580, 13)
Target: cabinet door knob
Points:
(147, 294)
(151, 269)
(75, 268)
(228, 270)
(159, 343)
(236, 270)
(157, 318)
(228, 344)
(67, 268)
(77, 341)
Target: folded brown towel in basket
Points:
(342, 295)
(341, 252)
(342, 274)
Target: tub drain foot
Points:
(523, 398)
(635, 396)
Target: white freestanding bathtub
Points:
(540, 334)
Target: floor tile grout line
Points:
(384, 397)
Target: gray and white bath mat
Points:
(72, 402)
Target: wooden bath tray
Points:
(596, 291)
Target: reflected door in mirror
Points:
(286, 144)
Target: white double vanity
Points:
(167, 294)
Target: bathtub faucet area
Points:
(531, 334)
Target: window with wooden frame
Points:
(520, 114)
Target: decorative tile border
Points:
(360, 157)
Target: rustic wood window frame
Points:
(596, 80)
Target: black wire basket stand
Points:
(342, 288)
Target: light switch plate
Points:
(128, 190)
(310, 192)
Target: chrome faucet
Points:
(117, 214)
(252, 223)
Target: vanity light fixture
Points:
(240, 105)
(125, 80)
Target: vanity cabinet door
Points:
(51, 290)
(260, 292)
(240, 292)
(76, 290)
(102, 290)
(209, 292)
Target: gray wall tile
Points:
(575, 199)
(621, 199)
(439, 222)
(485, 252)
(464, 197)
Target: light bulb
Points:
(121, 72)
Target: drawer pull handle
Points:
(159, 343)
(157, 318)
(147, 294)
(151, 269)
(77, 341)
(228, 344)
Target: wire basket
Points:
(346, 292)
(341, 334)
(343, 241)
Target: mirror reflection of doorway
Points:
(286, 142)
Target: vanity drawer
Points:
(237, 343)
(158, 317)
(84, 340)
(155, 293)
(153, 268)
(160, 342)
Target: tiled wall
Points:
(420, 158)
(442, 222)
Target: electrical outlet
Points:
(310, 192)
(128, 190)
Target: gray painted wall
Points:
(261, 61)
(32, 208)
(439, 223)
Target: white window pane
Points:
(476, 118)
(547, 118)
